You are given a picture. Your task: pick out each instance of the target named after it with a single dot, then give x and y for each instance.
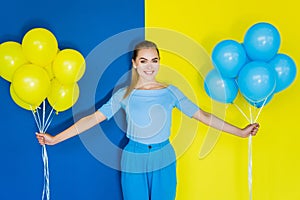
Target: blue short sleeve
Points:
(184, 104)
(113, 105)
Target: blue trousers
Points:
(148, 171)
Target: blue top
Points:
(149, 112)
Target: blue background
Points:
(74, 172)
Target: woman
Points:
(148, 160)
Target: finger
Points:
(254, 131)
(40, 134)
(42, 143)
(40, 140)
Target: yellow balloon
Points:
(11, 58)
(31, 84)
(40, 46)
(68, 66)
(19, 102)
(62, 97)
(49, 70)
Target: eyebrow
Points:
(142, 58)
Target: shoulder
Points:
(176, 92)
(121, 90)
(174, 89)
(119, 93)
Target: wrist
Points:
(55, 140)
(242, 133)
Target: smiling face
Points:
(147, 64)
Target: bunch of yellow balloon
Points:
(38, 70)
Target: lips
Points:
(149, 72)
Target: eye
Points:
(155, 60)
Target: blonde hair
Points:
(134, 75)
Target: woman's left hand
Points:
(251, 129)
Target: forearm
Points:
(80, 126)
(217, 123)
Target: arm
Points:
(80, 126)
(215, 122)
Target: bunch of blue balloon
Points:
(254, 67)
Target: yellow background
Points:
(222, 174)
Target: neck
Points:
(148, 85)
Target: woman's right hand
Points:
(45, 138)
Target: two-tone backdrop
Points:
(87, 167)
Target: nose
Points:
(149, 66)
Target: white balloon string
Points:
(250, 173)
(36, 121)
(241, 111)
(47, 123)
(250, 166)
(42, 127)
(43, 119)
(46, 188)
(39, 119)
(251, 116)
(261, 109)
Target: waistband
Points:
(148, 146)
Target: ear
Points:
(133, 64)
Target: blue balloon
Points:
(228, 57)
(256, 81)
(285, 69)
(262, 41)
(219, 88)
(247, 57)
(261, 103)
